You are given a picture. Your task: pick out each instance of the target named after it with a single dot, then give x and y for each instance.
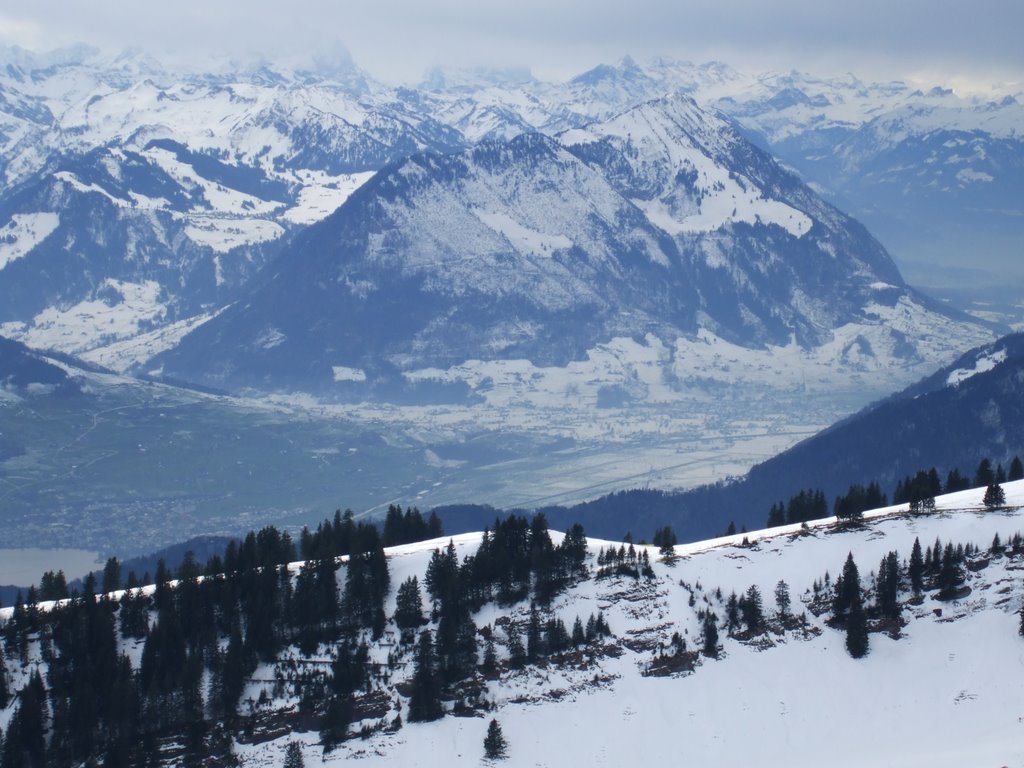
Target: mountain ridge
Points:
(536, 228)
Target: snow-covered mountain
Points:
(122, 173)
(942, 658)
(660, 222)
(934, 174)
(143, 200)
(139, 198)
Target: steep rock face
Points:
(662, 220)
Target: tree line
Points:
(919, 491)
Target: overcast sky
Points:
(398, 40)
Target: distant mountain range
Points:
(506, 282)
(933, 173)
(660, 222)
(139, 200)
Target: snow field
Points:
(944, 694)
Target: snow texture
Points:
(944, 693)
(23, 233)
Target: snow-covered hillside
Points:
(936, 688)
(943, 694)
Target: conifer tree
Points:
(847, 589)
(752, 609)
(495, 746)
(732, 614)
(994, 497)
(915, 569)
(534, 641)
(956, 482)
(665, 540)
(134, 614)
(25, 742)
(856, 630)
(574, 550)
(782, 599)
(5, 693)
(887, 586)
(293, 756)
(950, 576)
(409, 605)
(579, 636)
(710, 632)
(111, 576)
(997, 546)
(1016, 469)
(514, 643)
(490, 662)
(53, 586)
(984, 475)
(238, 664)
(425, 699)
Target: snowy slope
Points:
(796, 700)
(934, 173)
(943, 693)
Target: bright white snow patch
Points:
(322, 195)
(270, 338)
(124, 311)
(225, 234)
(523, 238)
(23, 233)
(968, 175)
(676, 140)
(981, 365)
(128, 354)
(222, 199)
